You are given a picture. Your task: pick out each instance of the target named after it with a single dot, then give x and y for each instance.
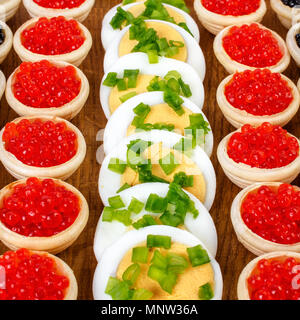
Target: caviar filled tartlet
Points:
(42, 146)
(8, 9)
(286, 11)
(266, 217)
(272, 276)
(41, 214)
(258, 96)
(6, 40)
(121, 15)
(47, 87)
(76, 9)
(251, 46)
(34, 275)
(156, 38)
(293, 42)
(55, 38)
(158, 263)
(219, 14)
(149, 204)
(132, 75)
(266, 153)
(2, 83)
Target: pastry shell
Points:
(68, 111)
(8, 9)
(7, 44)
(233, 66)
(242, 287)
(75, 57)
(215, 22)
(239, 117)
(19, 170)
(287, 15)
(53, 244)
(79, 13)
(2, 83)
(244, 175)
(250, 240)
(292, 43)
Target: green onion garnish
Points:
(152, 56)
(127, 96)
(174, 101)
(185, 88)
(142, 294)
(117, 165)
(140, 255)
(145, 221)
(116, 202)
(107, 214)
(154, 241)
(131, 273)
(111, 79)
(159, 260)
(198, 256)
(132, 76)
(168, 163)
(156, 204)
(182, 179)
(176, 263)
(173, 74)
(123, 216)
(117, 289)
(136, 206)
(121, 84)
(206, 292)
(124, 187)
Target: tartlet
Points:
(242, 287)
(292, 43)
(251, 240)
(20, 170)
(74, 57)
(215, 22)
(8, 9)
(244, 175)
(285, 13)
(2, 83)
(79, 13)
(238, 117)
(232, 66)
(67, 111)
(54, 243)
(6, 45)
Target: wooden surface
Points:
(231, 255)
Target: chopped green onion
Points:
(152, 56)
(206, 292)
(127, 2)
(178, 4)
(116, 165)
(141, 111)
(127, 96)
(117, 289)
(176, 263)
(155, 126)
(145, 221)
(132, 76)
(156, 204)
(159, 260)
(174, 101)
(183, 179)
(173, 74)
(177, 44)
(158, 241)
(132, 273)
(120, 17)
(111, 79)
(173, 84)
(116, 202)
(121, 84)
(140, 255)
(107, 214)
(168, 282)
(124, 187)
(156, 273)
(198, 256)
(142, 294)
(185, 27)
(184, 145)
(185, 88)
(123, 216)
(136, 206)
(173, 220)
(168, 163)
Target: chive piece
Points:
(156, 204)
(192, 209)
(152, 56)
(145, 221)
(168, 163)
(141, 111)
(121, 84)
(136, 206)
(117, 289)
(206, 292)
(155, 126)
(116, 165)
(123, 216)
(116, 202)
(158, 241)
(132, 273)
(142, 294)
(140, 255)
(156, 273)
(173, 74)
(185, 27)
(185, 88)
(107, 214)
(111, 79)
(159, 260)
(168, 282)
(127, 2)
(132, 76)
(183, 179)
(178, 4)
(124, 187)
(173, 220)
(198, 256)
(127, 96)
(176, 263)
(173, 84)
(174, 101)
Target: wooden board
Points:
(231, 255)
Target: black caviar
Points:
(291, 3)
(2, 35)
(298, 39)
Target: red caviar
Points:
(53, 36)
(39, 208)
(265, 147)
(231, 7)
(275, 279)
(259, 92)
(40, 143)
(273, 213)
(45, 85)
(252, 46)
(61, 4)
(32, 276)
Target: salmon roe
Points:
(40, 143)
(264, 147)
(275, 279)
(45, 85)
(39, 208)
(61, 4)
(231, 7)
(53, 36)
(252, 46)
(259, 92)
(32, 276)
(273, 213)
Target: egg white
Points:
(120, 120)
(109, 232)
(114, 254)
(140, 61)
(108, 33)
(195, 56)
(110, 182)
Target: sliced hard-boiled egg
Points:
(111, 96)
(108, 33)
(108, 232)
(128, 164)
(189, 280)
(188, 51)
(121, 124)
